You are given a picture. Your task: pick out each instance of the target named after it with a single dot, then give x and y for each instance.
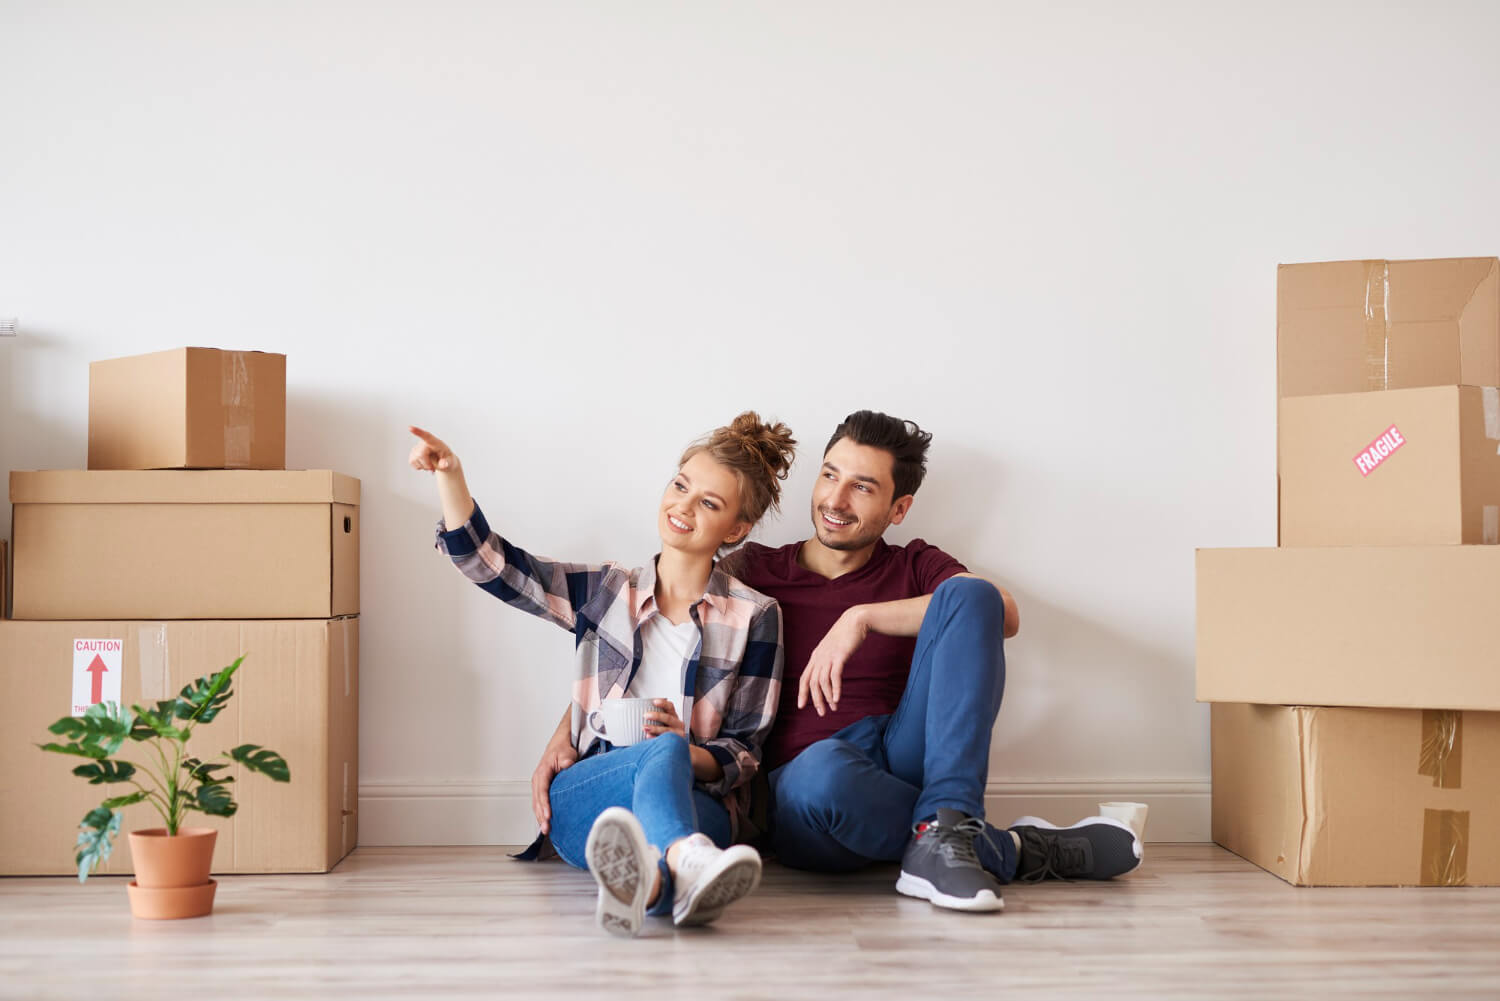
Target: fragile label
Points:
(1379, 450)
(97, 666)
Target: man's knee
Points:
(816, 779)
(972, 595)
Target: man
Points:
(881, 749)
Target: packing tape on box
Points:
(1445, 833)
(1491, 397)
(151, 656)
(1377, 324)
(238, 397)
(1442, 755)
(1445, 847)
(347, 676)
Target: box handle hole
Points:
(348, 524)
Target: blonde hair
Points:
(759, 454)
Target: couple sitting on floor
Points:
(880, 746)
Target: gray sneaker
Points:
(940, 865)
(1093, 848)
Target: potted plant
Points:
(173, 782)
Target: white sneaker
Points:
(708, 879)
(624, 865)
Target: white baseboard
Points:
(499, 813)
(1178, 810)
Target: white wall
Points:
(570, 237)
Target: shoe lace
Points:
(1054, 857)
(956, 840)
(694, 857)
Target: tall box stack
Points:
(1356, 716)
(187, 544)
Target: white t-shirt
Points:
(665, 648)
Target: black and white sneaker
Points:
(624, 865)
(940, 865)
(1093, 848)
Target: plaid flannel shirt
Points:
(730, 683)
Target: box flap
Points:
(183, 486)
(1355, 326)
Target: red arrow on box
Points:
(97, 669)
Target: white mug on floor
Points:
(1132, 815)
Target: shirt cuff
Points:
(465, 539)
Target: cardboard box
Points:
(201, 544)
(1354, 326)
(1399, 627)
(1359, 797)
(1406, 467)
(190, 408)
(296, 693)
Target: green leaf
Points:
(215, 800)
(205, 772)
(99, 818)
(158, 726)
(119, 801)
(259, 759)
(69, 726)
(103, 725)
(102, 772)
(208, 694)
(83, 751)
(95, 840)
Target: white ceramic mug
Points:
(1131, 814)
(622, 721)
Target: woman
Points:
(654, 822)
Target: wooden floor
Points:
(1194, 922)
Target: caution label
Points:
(97, 666)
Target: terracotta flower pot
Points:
(171, 872)
(163, 862)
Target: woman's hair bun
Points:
(760, 453)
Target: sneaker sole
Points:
(1135, 843)
(736, 876)
(619, 858)
(916, 886)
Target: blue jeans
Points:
(652, 779)
(852, 799)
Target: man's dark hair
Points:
(906, 442)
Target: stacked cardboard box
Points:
(1356, 716)
(153, 570)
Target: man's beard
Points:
(843, 545)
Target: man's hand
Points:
(822, 678)
(554, 759)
